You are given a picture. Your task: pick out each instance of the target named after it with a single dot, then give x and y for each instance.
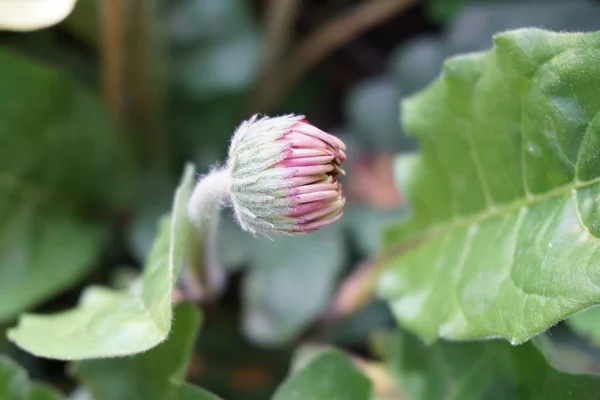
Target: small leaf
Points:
(503, 241)
(329, 375)
(110, 323)
(19, 15)
(481, 370)
(15, 384)
(157, 374)
(59, 161)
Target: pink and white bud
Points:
(284, 175)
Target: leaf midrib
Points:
(489, 213)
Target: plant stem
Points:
(112, 54)
(325, 39)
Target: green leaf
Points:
(503, 241)
(481, 370)
(185, 391)
(110, 323)
(587, 324)
(328, 375)
(157, 374)
(290, 282)
(15, 384)
(60, 163)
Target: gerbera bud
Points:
(281, 178)
(284, 175)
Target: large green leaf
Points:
(15, 384)
(328, 375)
(492, 370)
(59, 163)
(111, 323)
(503, 241)
(157, 374)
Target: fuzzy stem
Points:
(209, 195)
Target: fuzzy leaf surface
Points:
(503, 238)
(62, 175)
(109, 323)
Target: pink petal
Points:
(307, 208)
(315, 187)
(316, 196)
(313, 170)
(322, 211)
(304, 180)
(298, 140)
(326, 220)
(300, 153)
(311, 130)
(305, 161)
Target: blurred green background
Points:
(99, 114)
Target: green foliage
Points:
(15, 384)
(52, 173)
(157, 374)
(290, 283)
(504, 234)
(327, 375)
(110, 323)
(587, 324)
(501, 242)
(485, 370)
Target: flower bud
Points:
(284, 175)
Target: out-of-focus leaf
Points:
(192, 21)
(59, 161)
(110, 323)
(157, 374)
(481, 370)
(290, 282)
(202, 129)
(587, 324)
(19, 15)
(235, 246)
(229, 365)
(418, 62)
(356, 329)
(472, 29)
(15, 384)
(84, 21)
(568, 354)
(503, 241)
(372, 110)
(185, 391)
(365, 225)
(223, 67)
(325, 375)
(153, 199)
